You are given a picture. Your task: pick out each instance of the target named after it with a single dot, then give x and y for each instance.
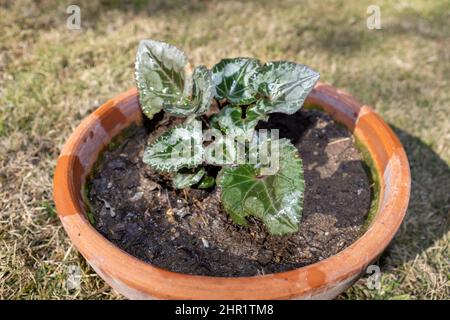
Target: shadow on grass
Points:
(144, 7)
(426, 222)
(427, 219)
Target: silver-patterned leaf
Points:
(283, 86)
(232, 78)
(178, 147)
(231, 121)
(161, 73)
(202, 95)
(203, 91)
(276, 199)
(183, 180)
(222, 151)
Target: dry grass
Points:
(52, 77)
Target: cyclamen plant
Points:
(222, 108)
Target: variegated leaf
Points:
(222, 151)
(283, 86)
(179, 147)
(161, 73)
(232, 80)
(275, 199)
(231, 121)
(185, 179)
(203, 93)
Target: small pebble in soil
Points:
(137, 196)
(205, 243)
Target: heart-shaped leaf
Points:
(232, 80)
(283, 86)
(186, 179)
(161, 71)
(179, 147)
(275, 199)
(231, 121)
(164, 81)
(203, 92)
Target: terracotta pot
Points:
(136, 279)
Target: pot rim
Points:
(324, 279)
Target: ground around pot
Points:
(52, 78)
(188, 231)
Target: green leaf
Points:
(164, 82)
(232, 80)
(203, 92)
(203, 89)
(179, 147)
(161, 73)
(283, 86)
(275, 199)
(231, 121)
(222, 151)
(183, 180)
(207, 182)
(214, 122)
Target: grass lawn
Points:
(52, 77)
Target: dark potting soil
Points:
(188, 231)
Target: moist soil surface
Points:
(188, 231)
